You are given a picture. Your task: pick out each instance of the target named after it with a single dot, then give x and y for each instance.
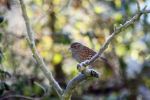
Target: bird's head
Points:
(76, 46)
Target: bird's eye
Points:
(75, 46)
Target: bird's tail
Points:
(116, 71)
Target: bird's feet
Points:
(82, 66)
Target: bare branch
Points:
(37, 57)
(66, 95)
(72, 85)
(138, 6)
(145, 11)
(116, 31)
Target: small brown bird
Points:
(82, 53)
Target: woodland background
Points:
(58, 23)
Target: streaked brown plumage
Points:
(82, 53)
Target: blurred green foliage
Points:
(57, 23)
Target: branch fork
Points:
(82, 67)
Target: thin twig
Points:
(116, 31)
(37, 57)
(110, 38)
(81, 77)
(138, 6)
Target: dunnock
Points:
(82, 53)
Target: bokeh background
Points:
(58, 23)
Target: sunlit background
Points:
(58, 23)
